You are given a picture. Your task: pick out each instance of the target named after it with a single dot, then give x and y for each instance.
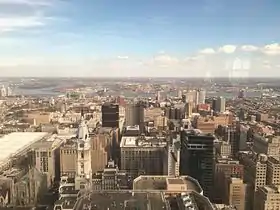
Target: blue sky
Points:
(138, 38)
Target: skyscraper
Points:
(219, 104)
(201, 96)
(198, 158)
(134, 115)
(110, 115)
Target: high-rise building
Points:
(134, 115)
(99, 154)
(219, 104)
(235, 194)
(255, 169)
(110, 115)
(198, 158)
(267, 145)
(273, 172)
(173, 156)
(231, 136)
(176, 112)
(225, 169)
(201, 96)
(189, 108)
(3, 91)
(158, 96)
(143, 155)
(267, 198)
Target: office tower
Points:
(268, 145)
(201, 96)
(273, 172)
(173, 156)
(189, 108)
(191, 96)
(110, 115)
(235, 194)
(158, 97)
(99, 155)
(219, 105)
(3, 92)
(142, 155)
(134, 115)
(222, 104)
(231, 136)
(176, 112)
(198, 158)
(9, 91)
(226, 168)
(243, 131)
(267, 198)
(255, 169)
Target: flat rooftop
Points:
(122, 200)
(51, 142)
(160, 183)
(175, 181)
(66, 203)
(14, 143)
(146, 141)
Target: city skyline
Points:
(147, 38)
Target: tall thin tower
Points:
(84, 171)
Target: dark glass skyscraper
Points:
(198, 158)
(110, 115)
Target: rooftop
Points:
(50, 143)
(143, 141)
(120, 200)
(66, 203)
(271, 189)
(14, 143)
(133, 128)
(160, 183)
(175, 181)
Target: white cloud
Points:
(17, 22)
(192, 58)
(272, 49)
(27, 2)
(208, 51)
(161, 64)
(121, 57)
(249, 48)
(165, 60)
(228, 49)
